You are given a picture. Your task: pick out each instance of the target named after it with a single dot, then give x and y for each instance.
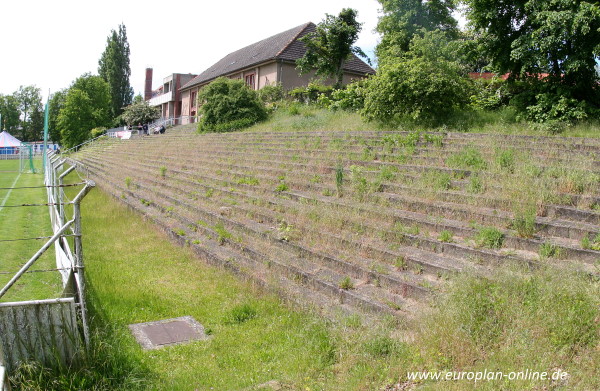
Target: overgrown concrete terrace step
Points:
(382, 145)
(379, 153)
(246, 136)
(364, 295)
(432, 264)
(456, 228)
(496, 202)
(392, 154)
(553, 211)
(325, 164)
(570, 198)
(552, 227)
(572, 143)
(462, 229)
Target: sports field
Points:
(24, 222)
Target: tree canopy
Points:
(140, 112)
(530, 37)
(29, 99)
(403, 19)
(330, 45)
(113, 67)
(86, 106)
(9, 108)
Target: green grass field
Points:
(23, 223)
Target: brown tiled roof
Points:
(283, 46)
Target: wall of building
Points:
(291, 78)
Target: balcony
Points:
(160, 99)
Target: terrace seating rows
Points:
(265, 206)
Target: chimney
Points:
(148, 85)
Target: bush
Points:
(556, 112)
(490, 94)
(96, 132)
(351, 98)
(229, 105)
(310, 93)
(271, 93)
(426, 84)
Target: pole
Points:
(46, 114)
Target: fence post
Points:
(79, 257)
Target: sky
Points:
(50, 43)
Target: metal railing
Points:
(44, 338)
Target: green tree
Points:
(57, 102)
(29, 99)
(330, 45)
(530, 37)
(403, 19)
(86, 106)
(140, 113)
(427, 84)
(9, 108)
(229, 105)
(113, 67)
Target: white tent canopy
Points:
(7, 140)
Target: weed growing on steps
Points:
(549, 250)
(128, 182)
(445, 236)
(475, 185)
(281, 187)
(505, 160)
(468, 159)
(346, 283)
(400, 263)
(489, 237)
(591, 244)
(163, 171)
(524, 223)
(339, 179)
(222, 233)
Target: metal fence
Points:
(50, 331)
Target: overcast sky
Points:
(49, 43)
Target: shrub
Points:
(423, 85)
(229, 105)
(310, 93)
(96, 132)
(490, 94)
(351, 98)
(271, 93)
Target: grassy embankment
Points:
(295, 117)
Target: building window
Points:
(193, 99)
(250, 80)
